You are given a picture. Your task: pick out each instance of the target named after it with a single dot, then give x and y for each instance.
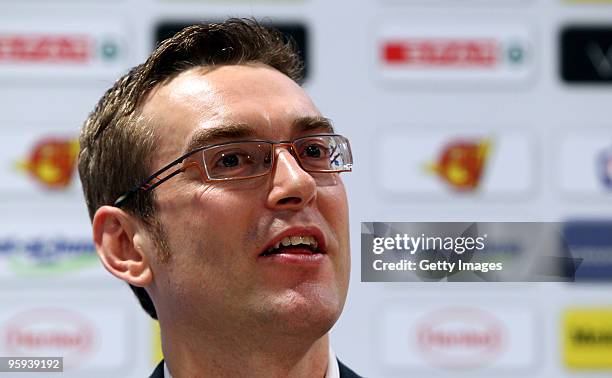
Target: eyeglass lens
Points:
(245, 159)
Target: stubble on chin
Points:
(307, 309)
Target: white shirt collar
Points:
(166, 371)
(333, 370)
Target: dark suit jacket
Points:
(345, 372)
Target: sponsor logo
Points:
(585, 163)
(461, 163)
(587, 339)
(51, 162)
(50, 332)
(34, 48)
(458, 53)
(455, 162)
(586, 54)
(451, 53)
(590, 242)
(94, 338)
(56, 48)
(460, 338)
(426, 337)
(589, 1)
(158, 353)
(604, 167)
(46, 256)
(296, 32)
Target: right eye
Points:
(229, 160)
(234, 160)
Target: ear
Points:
(115, 235)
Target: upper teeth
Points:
(296, 240)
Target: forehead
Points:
(258, 96)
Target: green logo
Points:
(516, 54)
(47, 257)
(109, 50)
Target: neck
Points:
(209, 355)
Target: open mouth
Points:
(304, 244)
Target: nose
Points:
(292, 187)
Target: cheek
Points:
(192, 218)
(207, 232)
(217, 220)
(332, 203)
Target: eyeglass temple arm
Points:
(146, 187)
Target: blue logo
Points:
(47, 256)
(604, 167)
(590, 242)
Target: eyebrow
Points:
(322, 124)
(219, 133)
(234, 131)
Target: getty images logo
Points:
(586, 54)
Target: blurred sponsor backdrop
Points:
(457, 110)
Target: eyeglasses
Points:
(320, 153)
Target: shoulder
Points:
(346, 372)
(159, 371)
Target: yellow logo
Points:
(461, 163)
(587, 338)
(51, 162)
(157, 355)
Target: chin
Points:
(306, 308)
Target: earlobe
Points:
(114, 234)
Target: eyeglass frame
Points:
(146, 186)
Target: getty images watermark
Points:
(474, 252)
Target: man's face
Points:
(217, 232)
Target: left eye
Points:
(315, 151)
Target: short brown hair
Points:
(117, 143)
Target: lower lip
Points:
(304, 259)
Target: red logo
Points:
(460, 338)
(52, 162)
(45, 48)
(50, 332)
(461, 163)
(441, 52)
